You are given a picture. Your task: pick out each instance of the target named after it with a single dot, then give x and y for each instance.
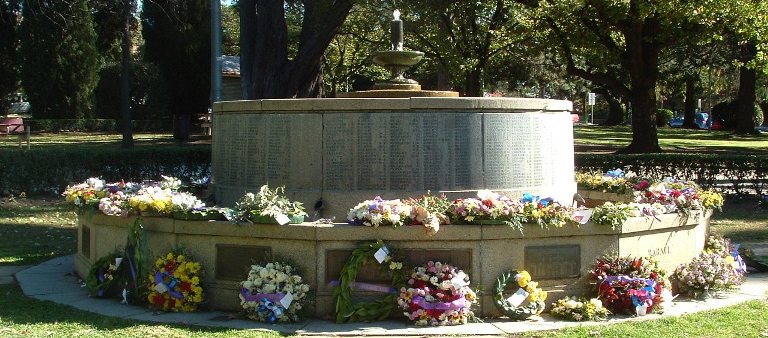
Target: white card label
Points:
(161, 288)
(287, 300)
(582, 216)
(118, 260)
(518, 298)
(381, 254)
(458, 280)
(282, 219)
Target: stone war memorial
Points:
(396, 141)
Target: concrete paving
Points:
(55, 281)
(7, 272)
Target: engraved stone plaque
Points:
(85, 241)
(234, 261)
(369, 272)
(553, 261)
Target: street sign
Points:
(591, 99)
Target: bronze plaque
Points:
(369, 272)
(234, 261)
(85, 241)
(553, 261)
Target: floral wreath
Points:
(380, 309)
(174, 285)
(528, 290)
(102, 280)
(437, 294)
(273, 293)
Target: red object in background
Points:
(717, 125)
(575, 118)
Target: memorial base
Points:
(558, 259)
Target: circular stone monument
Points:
(344, 151)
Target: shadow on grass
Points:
(25, 244)
(31, 317)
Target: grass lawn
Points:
(26, 317)
(34, 230)
(586, 139)
(95, 140)
(598, 138)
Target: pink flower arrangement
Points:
(437, 294)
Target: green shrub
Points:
(48, 171)
(736, 172)
(96, 125)
(663, 116)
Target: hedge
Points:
(728, 173)
(49, 171)
(96, 125)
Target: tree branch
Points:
(596, 77)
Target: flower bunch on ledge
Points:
(545, 212)
(493, 208)
(377, 212)
(122, 198)
(86, 193)
(613, 181)
(487, 208)
(428, 211)
(267, 206)
(670, 194)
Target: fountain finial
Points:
(397, 31)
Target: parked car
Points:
(702, 121)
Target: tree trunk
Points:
(689, 106)
(745, 115)
(615, 110)
(182, 123)
(125, 82)
(473, 86)
(265, 69)
(642, 61)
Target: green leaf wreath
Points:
(105, 277)
(535, 295)
(380, 309)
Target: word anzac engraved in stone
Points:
(553, 261)
(659, 251)
(234, 261)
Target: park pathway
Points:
(55, 281)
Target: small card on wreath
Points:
(161, 288)
(381, 254)
(458, 280)
(286, 300)
(518, 297)
(282, 219)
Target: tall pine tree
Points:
(59, 63)
(177, 37)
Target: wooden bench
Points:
(15, 125)
(11, 125)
